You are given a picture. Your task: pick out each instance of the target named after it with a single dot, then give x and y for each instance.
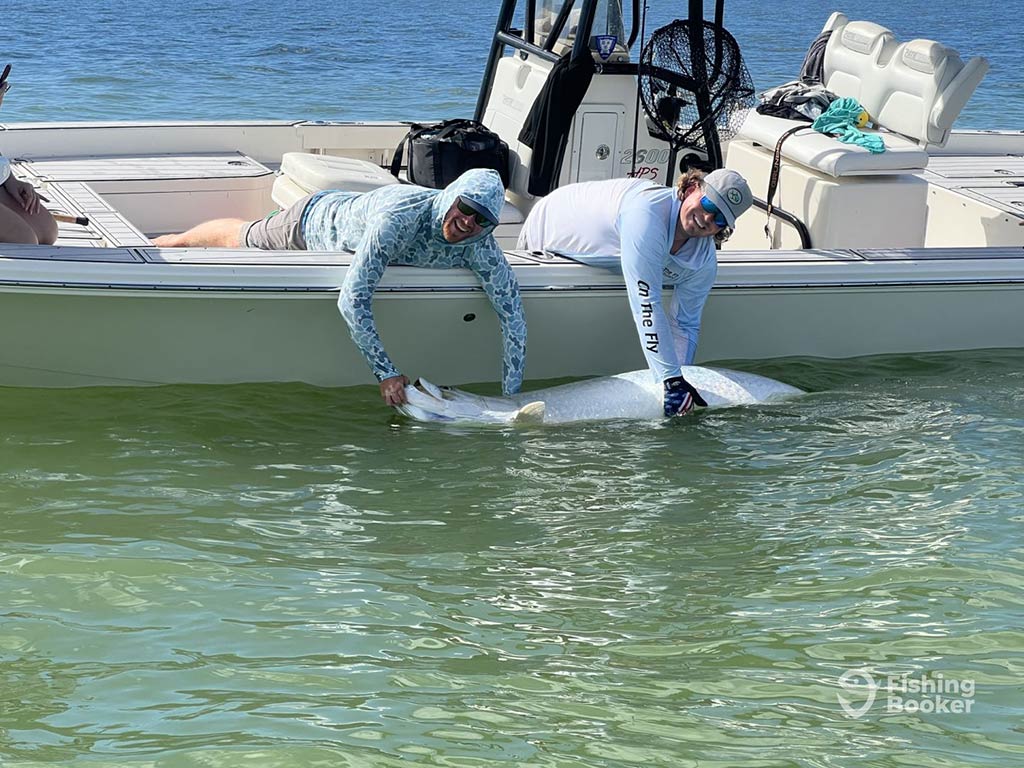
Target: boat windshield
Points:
(607, 22)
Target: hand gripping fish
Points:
(633, 395)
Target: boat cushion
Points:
(304, 174)
(856, 55)
(925, 88)
(830, 156)
(317, 172)
(286, 192)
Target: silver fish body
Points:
(634, 395)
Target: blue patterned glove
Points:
(680, 396)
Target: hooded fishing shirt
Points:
(629, 225)
(402, 224)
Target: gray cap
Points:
(730, 192)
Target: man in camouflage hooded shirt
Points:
(396, 224)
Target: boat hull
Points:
(121, 337)
(105, 307)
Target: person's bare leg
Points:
(44, 225)
(41, 223)
(216, 233)
(14, 228)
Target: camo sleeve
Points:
(356, 301)
(500, 284)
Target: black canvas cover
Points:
(546, 129)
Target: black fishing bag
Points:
(440, 153)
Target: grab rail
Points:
(789, 218)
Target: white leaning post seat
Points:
(913, 92)
(303, 174)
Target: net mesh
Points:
(670, 78)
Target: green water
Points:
(288, 576)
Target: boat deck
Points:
(997, 180)
(130, 198)
(89, 186)
(58, 268)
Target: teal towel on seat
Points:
(840, 120)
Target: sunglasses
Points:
(468, 210)
(711, 208)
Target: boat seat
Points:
(913, 92)
(918, 91)
(303, 174)
(828, 155)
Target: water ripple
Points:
(283, 575)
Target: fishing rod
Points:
(82, 221)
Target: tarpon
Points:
(633, 395)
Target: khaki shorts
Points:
(279, 231)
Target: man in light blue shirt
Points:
(657, 236)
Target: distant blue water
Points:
(391, 59)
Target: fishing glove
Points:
(680, 396)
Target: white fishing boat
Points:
(915, 249)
